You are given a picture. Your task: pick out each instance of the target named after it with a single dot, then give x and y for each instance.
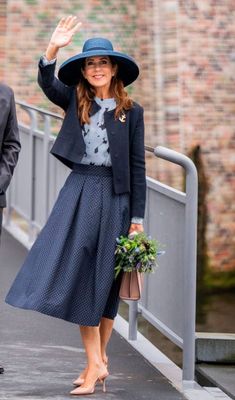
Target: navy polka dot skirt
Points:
(69, 271)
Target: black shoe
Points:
(1, 369)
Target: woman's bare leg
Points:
(95, 366)
(106, 328)
(105, 331)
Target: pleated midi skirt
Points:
(69, 271)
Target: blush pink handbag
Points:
(131, 285)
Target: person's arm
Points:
(138, 178)
(55, 90)
(10, 147)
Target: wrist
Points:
(137, 220)
(51, 51)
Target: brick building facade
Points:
(186, 51)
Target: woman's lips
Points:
(98, 76)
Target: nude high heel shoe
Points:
(79, 381)
(91, 389)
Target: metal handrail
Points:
(40, 110)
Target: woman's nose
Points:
(97, 65)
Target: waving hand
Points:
(62, 35)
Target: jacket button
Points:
(116, 155)
(112, 133)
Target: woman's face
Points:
(98, 71)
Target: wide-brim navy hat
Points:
(70, 71)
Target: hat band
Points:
(97, 48)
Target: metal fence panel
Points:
(40, 204)
(162, 290)
(57, 176)
(21, 183)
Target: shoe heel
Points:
(104, 385)
(102, 380)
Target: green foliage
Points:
(136, 252)
(43, 16)
(219, 281)
(32, 2)
(78, 41)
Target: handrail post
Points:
(189, 274)
(33, 127)
(190, 249)
(133, 314)
(46, 141)
(8, 212)
(190, 265)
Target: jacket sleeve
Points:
(10, 146)
(53, 88)
(137, 168)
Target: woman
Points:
(102, 140)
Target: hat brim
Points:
(70, 71)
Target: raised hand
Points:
(62, 35)
(64, 31)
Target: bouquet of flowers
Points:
(136, 252)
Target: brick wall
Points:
(3, 31)
(186, 52)
(207, 96)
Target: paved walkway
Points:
(221, 375)
(43, 355)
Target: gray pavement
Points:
(220, 375)
(43, 355)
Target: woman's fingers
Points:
(67, 24)
(77, 27)
(136, 228)
(70, 21)
(61, 22)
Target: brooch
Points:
(122, 117)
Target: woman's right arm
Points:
(55, 90)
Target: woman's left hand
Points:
(136, 228)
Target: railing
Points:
(168, 300)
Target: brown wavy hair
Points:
(86, 94)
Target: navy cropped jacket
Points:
(125, 135)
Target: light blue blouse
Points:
(95, 136)
(96, 140)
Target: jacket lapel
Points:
(118, 134)
(94, 108)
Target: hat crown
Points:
(97, 44)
